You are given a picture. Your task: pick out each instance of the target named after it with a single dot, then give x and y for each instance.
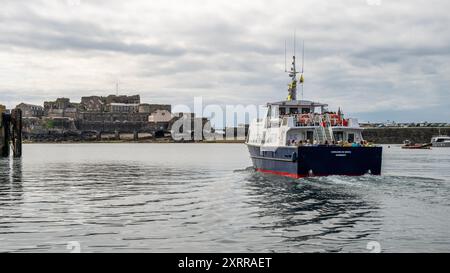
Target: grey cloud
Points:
(70, 42)
(36, 32)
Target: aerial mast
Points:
(302, 80)
(292, 90)
(285, 56)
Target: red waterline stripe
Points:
(292, 175)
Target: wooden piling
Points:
(2, 133)
(5, 129)
(11, 133)
(16, 136)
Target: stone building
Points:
(151, 108)
(99, 114)
(112, 117)
(71, 113)
(30, 110)
(111, 103)
(121, 113)
(134, 99)
(144, 108)
(92, 104)
(160, 116)
(61, 107)
(59, 103)
(122, 107)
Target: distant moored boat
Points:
(409, 145)
(441, 141)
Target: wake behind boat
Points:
(300, 138)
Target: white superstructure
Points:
(295, 123)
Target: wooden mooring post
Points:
(10, 132)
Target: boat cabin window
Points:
(306, 110)
(282, 111)
(351, 138)
(338, 136)
(293, 111)
(273, 111)
(310, 136)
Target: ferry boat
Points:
(301, 138)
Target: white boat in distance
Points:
(441, 141)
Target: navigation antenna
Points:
(302, 80)
(295, 42)
(285, 57)
(292, 90)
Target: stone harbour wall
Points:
(398, 135)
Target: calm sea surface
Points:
(204, 197)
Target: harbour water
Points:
(206, 198)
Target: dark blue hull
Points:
(318, 160)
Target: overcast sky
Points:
(378, 59)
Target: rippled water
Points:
(204, 197)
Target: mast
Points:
(285, 57)
(302, 80)
(292, 90)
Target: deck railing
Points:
(313, 119)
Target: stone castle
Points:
(96, 115)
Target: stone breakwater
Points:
(393, 135)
